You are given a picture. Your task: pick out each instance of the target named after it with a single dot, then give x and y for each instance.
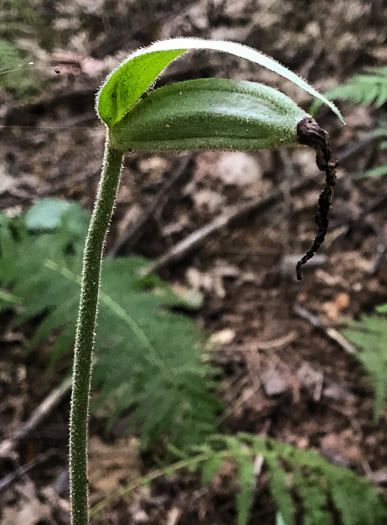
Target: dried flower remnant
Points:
(310, 134)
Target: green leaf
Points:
(246, 482)
(126, 84)
(370, 88)
(210, 468)
(124, 87)
(48, 214)
(365, 89)
(280, 490)
(148, 357)
(370, 335)
(210, 113)
(373, 172)
(314, 497)
(356, 499)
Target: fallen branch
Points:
(235, 213)
(39, 414)
(228, 218)
(330, 332)
(23, 469)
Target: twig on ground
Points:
(23, 469)
(131, 235)
(356, 147)
(330, 332)
(379, 256)
(40, 413)
(235, 213)
(380, 247)
(228, 218)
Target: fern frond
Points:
(315, 501)
(298, 478)
(148, 358)
(368, 88)
(370, 336)
(279, 488)
(381, 134)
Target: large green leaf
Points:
(124, 87)
(211, 113)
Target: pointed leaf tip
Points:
(124, 86)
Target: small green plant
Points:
(20, 21)
(369, 335)
(368, 88)
(295, 476)
(169, 393)
(204, 114)
(173, 403)
(15, 74)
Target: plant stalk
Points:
(85, 332)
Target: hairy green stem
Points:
(85, 332)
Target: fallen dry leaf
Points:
(223, 337)
(333, 309)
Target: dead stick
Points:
(23, 469)
(232, 215)
(39, 414)
(328, 330)
(229, 217)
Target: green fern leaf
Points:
(320, 489)
(370, 336)
(279, 489)
(148, 358)
(357, 502)
(364, 89)
(371, 87)
(246, 482)
(354, 497)
(210, 468)
(314, 499)
(245, 477)
(378, 171)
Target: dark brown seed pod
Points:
(310, 134)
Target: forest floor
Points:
(283, 376)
